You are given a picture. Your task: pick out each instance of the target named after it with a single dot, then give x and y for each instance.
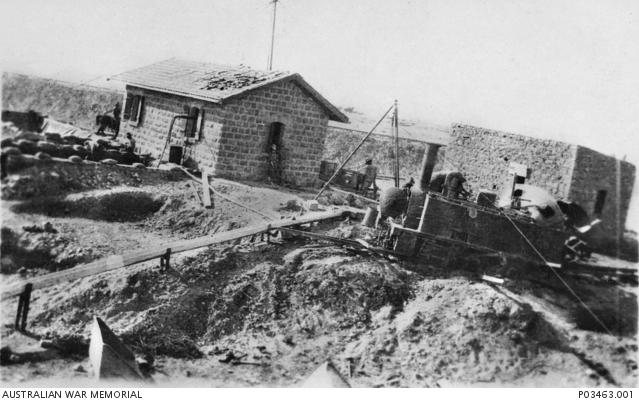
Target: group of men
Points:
(451, 184)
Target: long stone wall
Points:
(381, 148)
(64, 101)
(596, 172)
(568, 171)
(483, 156)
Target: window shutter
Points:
(200, 124)
(191, 123)
(138, 118)
(135, 108)
(127, 106)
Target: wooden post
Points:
(165, 260)
(396, 134)
(23, 307)
(206, 191)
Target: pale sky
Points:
(560, 69)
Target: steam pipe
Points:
(168, 137)
(428, 165)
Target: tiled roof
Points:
(213, 82)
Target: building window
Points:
(133, 107)
(193, 128)
(600, 201)
(275, 132)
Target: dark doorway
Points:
(175, 155)
(275, 132)
(274, 150)
(600, 201)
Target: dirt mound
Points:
(455, 330)
(287, 308)
(217, 294)
(28, 186)
(184, 215)
(615, 306)
(326, 282)
(50, 251)
(187, 217)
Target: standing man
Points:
(370, 176)
(117, 111)
(454, 185)
(275, 165)
(408, 187)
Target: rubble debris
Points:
(230, 356)
(20, 348)
(312, 205)
(292, 206)
(47, 227)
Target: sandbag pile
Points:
(48, 145)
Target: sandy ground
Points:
(279, 310)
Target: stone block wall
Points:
(483, 156)
(151, 131)
(596, 172)
(243, 143)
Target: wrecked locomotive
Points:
(440, 222)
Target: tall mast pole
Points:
(270, 58)
(396, 133)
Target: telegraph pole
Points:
(270, 59)
(396, 134)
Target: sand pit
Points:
(123, 205)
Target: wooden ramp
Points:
(135, 257)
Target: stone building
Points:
(231, 120)
(599, 183)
